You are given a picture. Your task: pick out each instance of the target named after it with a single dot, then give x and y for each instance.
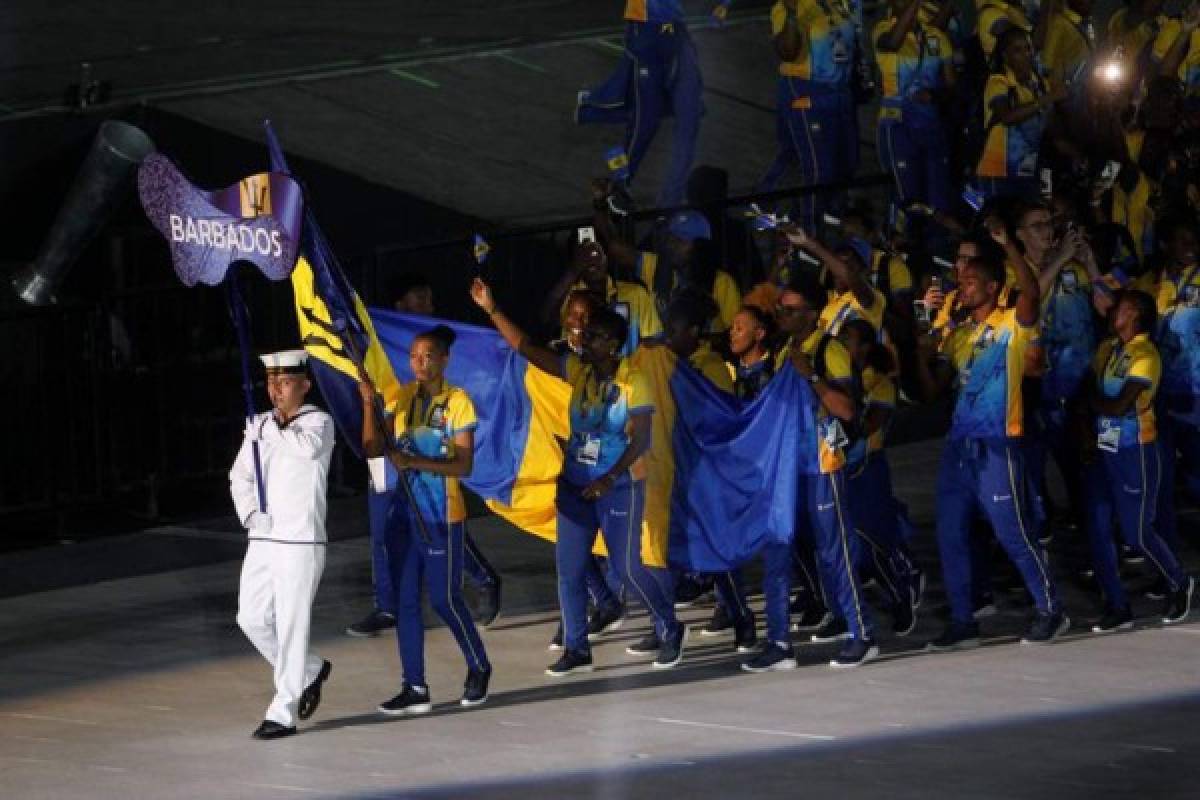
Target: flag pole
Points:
(237, 310)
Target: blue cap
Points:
(861, 248)
(689, 225)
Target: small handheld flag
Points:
(481, 249)
(618, 164)
(973, 198)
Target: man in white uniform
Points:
(286, 551)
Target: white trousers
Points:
(275, 597)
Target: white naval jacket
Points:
(295, 466)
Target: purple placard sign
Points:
(258, 219)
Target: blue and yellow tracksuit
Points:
(880, 520)
(1008, 165)
(817, 119)
(1068, 341)
(658, 76)
(601, 412)
(910, 138)
(427, 426)
(824, 526)
(1178, 400)
(1126, 477)
(983, 464)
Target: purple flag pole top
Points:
(258, 219)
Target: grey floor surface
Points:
(142, 686)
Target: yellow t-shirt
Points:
(991, 15)
(427, 426)
(1010, 151)
(844, 306)
(725, 291)
(712, 366)
(1069, 43)
(601, 415)
(826, 47)
(838, 370)
(879, 392)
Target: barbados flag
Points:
(722, 478)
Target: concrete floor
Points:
(142, 686)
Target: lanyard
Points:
(586, 400)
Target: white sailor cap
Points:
(285, 361)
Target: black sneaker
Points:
(1131, 556)
(904, 619)
(854, 653)
(411, 700)
(985, 606)
(475, 688)
(812, 619)
(604, 620)
(916, 586)
(487, 607)
(647, 645)
(671, 652)
(1114, 619)
(570, 663)
(773, 657)
(1179, 604)
(1045, 628)
(372, 624)
(556, 643)
(688, 591)
(745, 637)
(834, 630)
(720, 622)
(955, 637)
(1159, 590)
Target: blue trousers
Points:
(824, 517)
(1125, 485)
(1008, 187)
(1180, 446)
(987, 476)
(475, 565)
(918, 159)
(437, 567)
(618, 516)
(659, 76)
(878, 519)
(816, 125)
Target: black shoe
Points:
(411, 700)
(955, 637)
(671, 652)
(916, 586)
(1114, 619)
(372, 624)
(1131, 556)
(720, 622)
(487, 608)
(557, 642)
(834, 630)
(904, 619)
(984, 606)
(745, 636)
(272, 730)
(647, 645)
(310, 698)
(1159, 590)
(773, 657)
(1045, 628)
(571, 662)
(1179, 604)
(475, 688)
(604, 620)
(854, 653)
(688, 591)
(812, 619)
